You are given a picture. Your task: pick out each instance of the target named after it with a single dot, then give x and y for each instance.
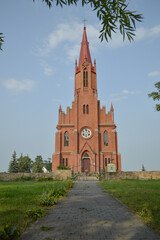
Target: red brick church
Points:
(86, 137)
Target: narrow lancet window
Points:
(87, 109)
(66, 162)
(86, 79)
(84, 109)
(66, 139)
(105, 138)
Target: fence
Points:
(59, 175)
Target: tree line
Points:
(26, 165)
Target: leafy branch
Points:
(156, 95)
(113, 15)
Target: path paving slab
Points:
(89, 213)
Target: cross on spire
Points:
(84, 20)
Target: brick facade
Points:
(86, 136)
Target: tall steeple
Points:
(84, 52)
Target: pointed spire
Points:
(112, 109)
(84, 52)
(60, 109)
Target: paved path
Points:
(89, 213)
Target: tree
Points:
(24, 164)
(113, 14)
(38, 165)
(143, 168)
(27, 164)
(13, 165)
(156, 95)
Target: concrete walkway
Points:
(89, 213)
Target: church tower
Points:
(86, 137)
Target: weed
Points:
(8, 232)
(24, 178)
(44, 179)
(47, 200)
(43, 228)
(35, 213)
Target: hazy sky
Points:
(37, 75)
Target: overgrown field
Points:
(23, 202)
(143, 196)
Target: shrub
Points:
(45, 179)
(35, 213)
(8, 232)
(69, 183)
(59, 190)
(24, 178)
(47, 200)
(62, 167)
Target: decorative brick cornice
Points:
(106, 124)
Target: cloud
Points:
(68, 33)
(124, 94)
(48, 71)
(142, 33)
(71, 78)
(15, 85)
(56, 100)
(154, 74)
(58, 84)
(118, 99)
(47, 68)
(130, 92)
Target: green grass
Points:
(141, 196)
(17, 198)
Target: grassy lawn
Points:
(141, 196)
(16, 198)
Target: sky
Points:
(37, 75)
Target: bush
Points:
(59, 190)
(69, 183)
(45, 179)
(8, 232)
(62, 167)
(35, 213)
(24, 178)
(46, 200)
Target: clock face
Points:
(86, 132)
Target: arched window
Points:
(85, 79)
(66, 162)
(105, 138)
(63, 161)
(84, 109)
(105, 161)
(66, 139)
(86, 155)
(87, 109)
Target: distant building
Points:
(86, 137)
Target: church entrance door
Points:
(85, 167)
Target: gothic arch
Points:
(66, 139)
(105, 136)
